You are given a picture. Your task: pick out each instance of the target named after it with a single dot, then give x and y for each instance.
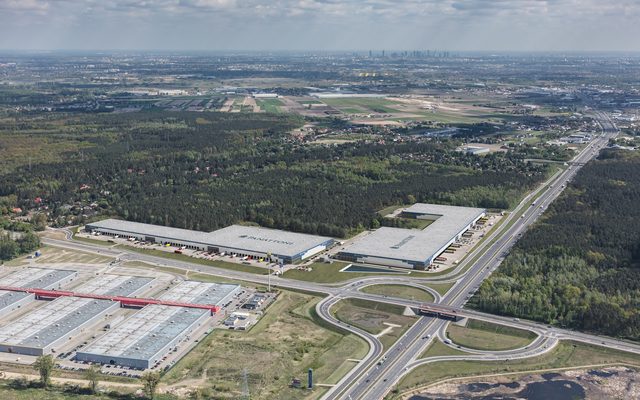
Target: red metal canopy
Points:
(123, 300)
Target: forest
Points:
(13, 247)
(579, 267)
(206, 171)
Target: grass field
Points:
(194, 260)
(373, 317)
(356, 105)
(441, 288)
(196, 276)
(482, 335)
(401, 291)
(330, 273)
(283, 345)
(92, 241)
(566, 354)
(53, 255)
(270, 105)
(437, 348)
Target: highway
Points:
(368, 380)
(376, 382)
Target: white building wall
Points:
(312, 252)
(385, 261)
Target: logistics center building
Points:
(51, 326)
(257, 242)
(412, 248)
(30, 278)
(145, 338)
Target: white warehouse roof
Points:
(266, 240)
(417, 245)
(53, 321)
(238, 237)
(149, 333)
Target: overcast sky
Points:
(321, 24)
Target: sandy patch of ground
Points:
(388, 329)
(250, 101)
(226, 106)
(377, 122)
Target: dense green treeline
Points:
(11, 248)
(206, 171)
(579, 267)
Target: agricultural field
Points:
(270, 105)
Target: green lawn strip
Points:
(282, 345)
(437, 348)
(500, 329)
(92, 241)
(401, 291)
(330, 273)
(194, 260)
(565, 354)
(194, 276)
(441, 288)
(482, 335)
(53, 254)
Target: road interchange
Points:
(368, 380)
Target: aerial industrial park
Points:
(117, 320)
(137, 292)
(319, 200)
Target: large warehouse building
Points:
(144, 338)
(282, 246)
(410, 248)
(50, 326)
(30, 278)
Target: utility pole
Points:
(269, 274)
(245, 385)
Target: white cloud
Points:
(471, 24)
(24, 5)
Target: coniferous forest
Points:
(579, 266)
(206, 171)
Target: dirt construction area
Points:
(601, 383)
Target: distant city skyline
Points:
(194, 25)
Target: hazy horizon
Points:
(321, 25)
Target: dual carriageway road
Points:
(368, 380)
